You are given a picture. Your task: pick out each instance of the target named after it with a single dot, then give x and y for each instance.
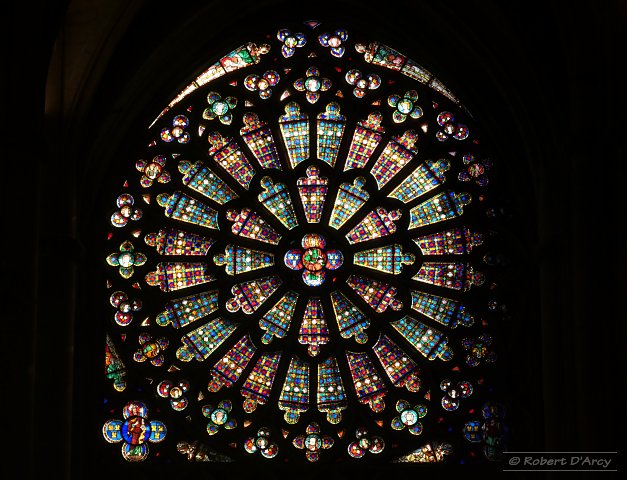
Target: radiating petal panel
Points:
(329, 133)
(443, 206)
(227, 153)
(203, 180)
(426, 177)
(277, 321)
(430, 342)
(229, 368)
(388, 259)
(331, 394)
(294, 398)
(445, 311)
(313, 330)
(397, 154)
(367, 136)
(249, 224)
(350, 198)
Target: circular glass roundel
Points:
(294, 260)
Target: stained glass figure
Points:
(227, 370)
(114, 366)
(126, 260)
(204, 340)
(365, 443)
(368, 384)
(350, 198)
(230, 157)
(330, 131)
(203, 180)
(430, 342)
(361, 82)
(291, 41)
(457, 276)
(409, 417)
(199, 452)
(455, 241)
(261, 443)
(476, 170)
(172, 241)
(125, 307)
(367, 136)
(405, 106)
(446, 311)
(262, 83)
(313, 193)
(478, 350)
(313, 442)
(378, 223)
(258, 136)
(181, 206)
(331, 394)
(312, 84)
(294, 398)
(450, 128)
(443, 206)
(249, 224)
(434, 452)
(295, 131)
(277, 321)
(388, 259)
(379, 295)
(185, 311)
(276, 198)
(135, 432)
(153, 171)
(454, 392)
(126, 212)
(238, 259)
(176, 275)
(427, 176)
(399, 367)
(176, 132)
(257, 387)
(249, 296)
(175, 393)
(313, 330)
(151, 350)
(350, 320)
(219, 108)
(314, 259)
(334, 41)
(397, 154)
(219, 417)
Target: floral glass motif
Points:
(365, 443)
(368, 134)
(219, 417)
(262, 83)
(314, 259)
(334, 41)
(258, 136)
(219, 108)
(397, 154)
(135, 431)
(429, 175)
(313, 193)
(313, 330)
(261, 443)
(409, 417)
(125, 306)
(201, 179)
(126, 211)
(290, 258)
(175, 393)
(313, 442)
(405, 106)
(291, 41)
(361, 82)
(330, 130)
(153, 171)
(312, 84)
(176, 131)
(127, 259)
(450, 129)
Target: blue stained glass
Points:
(350, 320)
(238, 259)
(443, 206)
(423, 179)
(379, 295)
(388, 259)
(331, 394)
(398, 153)
(313, 192)
(249, 224)
(277, 321)
(184, 311)
(455, 241)
(367, 136)
(229, 156)
(181, 206)
(458, 276)
(313, 330)
(330, 131)
(368, 383)
(276, 198)
(430, 342)
(228, 369)
(204, 340)
(350, 198)
(295, 130)
(399, 367)
(258, 136)
(443, 310)
(378, 223)
(200, 178)
(294, 397)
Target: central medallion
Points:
(313, 259)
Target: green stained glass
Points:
(388, 259)
(184, 311)
(423, 179)
(294, 398)
(331, 393)
(441, 207)
(204, 340)
(276, 198)
(350, 198)
(430, 342)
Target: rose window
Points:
(308, 263)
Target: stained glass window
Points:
(296, 261)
